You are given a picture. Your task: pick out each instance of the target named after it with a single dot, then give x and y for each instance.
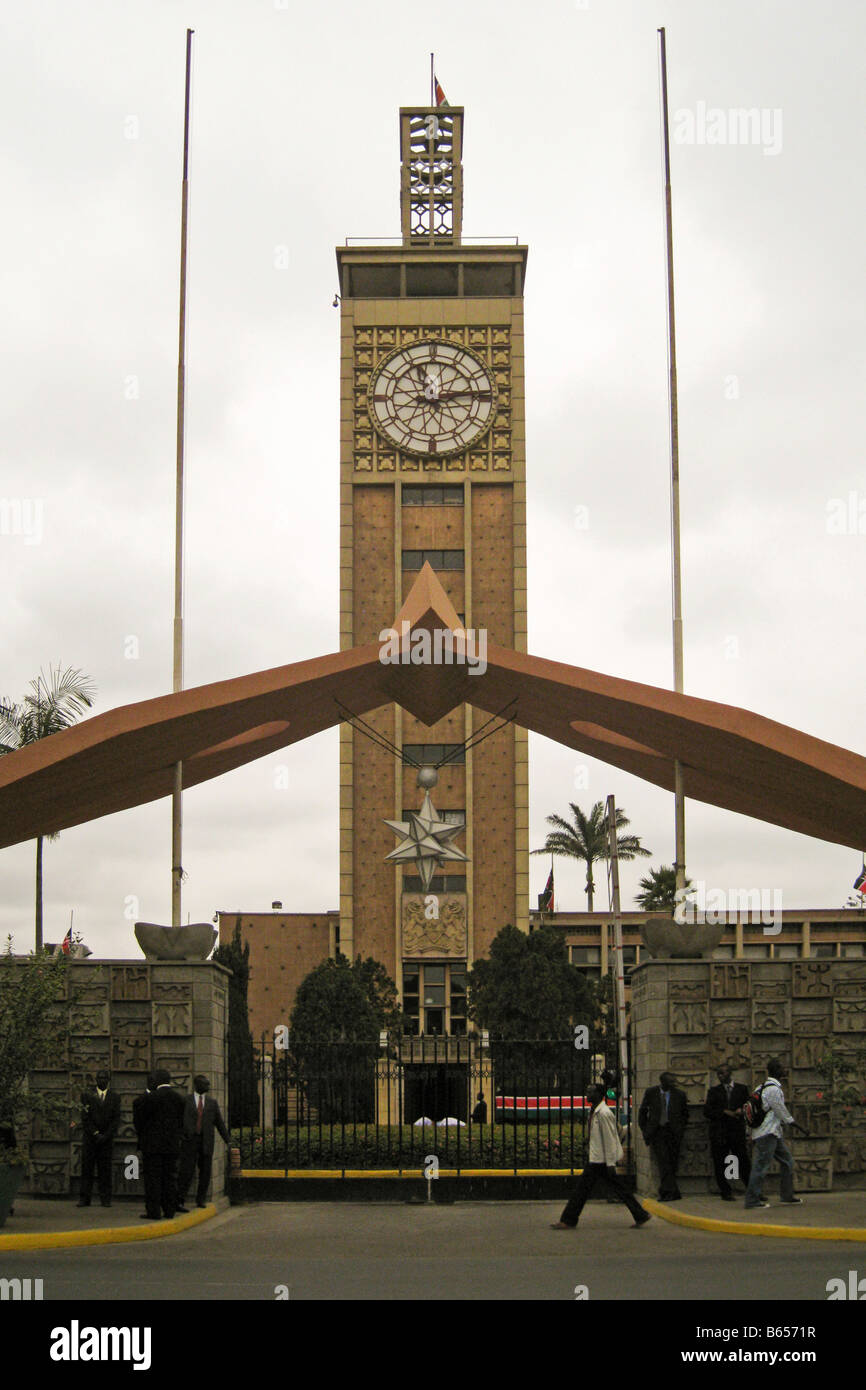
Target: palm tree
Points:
(587, 839)
(659, 889)
(54, 702)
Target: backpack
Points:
(754, 1111)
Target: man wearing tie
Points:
(201, 1116)
(663, 1116)
(724, 1110)
(100, 1117)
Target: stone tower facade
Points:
(432, 469)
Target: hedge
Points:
(392, 1146)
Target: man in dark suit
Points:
(201, 1116)
(663, 1116)
(100, 1117)
(724, 1110)
(158, 1116)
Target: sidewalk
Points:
(823, 1215)
(53, 1223)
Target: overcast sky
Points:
(295, 147)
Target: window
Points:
(437, 559)
(439, 883)
(724, 953)
(432, 754)
(823, 950)
(853, 948)
(585, 955)
(432, 496)
(434, 998)
(756, 952)
(787, 952)
(452, 817)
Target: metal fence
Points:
(470, 1102)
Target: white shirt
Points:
(604, 1144)
(776, 1113)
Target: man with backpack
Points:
(766, 1113)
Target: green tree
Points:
(658, 889)
(243, 1095)
(30, 988)
(54, 702)
(529, 998)
(587, 840)
(341, 1008)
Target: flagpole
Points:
(177, 684)
(676, 575)
(432, 83)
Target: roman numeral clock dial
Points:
(432, 398)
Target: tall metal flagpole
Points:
(618, 971)
(677, 597)
(432, 83)
(177, 794)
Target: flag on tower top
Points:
(860, 883)
(66, 944)
(441, 99)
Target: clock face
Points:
(432, 398)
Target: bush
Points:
(405, 1146)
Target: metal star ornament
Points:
(427, 838)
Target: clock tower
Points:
(432, 470)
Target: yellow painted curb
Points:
(409, 1173)
(752, 1228)
(105, 1235)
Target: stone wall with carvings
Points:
(690, 1016)
(127, 1018)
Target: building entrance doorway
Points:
(435, 1090)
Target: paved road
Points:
(469, 1251)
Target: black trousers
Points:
(720, 1149)
(192, 1154)
(160, 1184)
(593, 1173)
(665, 1144)
(96, 1157)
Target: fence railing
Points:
(469, 1102)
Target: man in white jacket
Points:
(605, 1152)
(769, 1142)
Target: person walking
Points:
(100, 1118)
(724, 1110)
(159, 1124)
(769, 1143)
(603, 1154)
(201, 1116)
(663, 1116)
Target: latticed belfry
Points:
(431, 175)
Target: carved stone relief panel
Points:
(172, 991)
(688, 1018)
(729, 981)
(811, 978)
(89, 1018)
(771, 1015)
(688, 991)
(172, 1020)
(130, 982)
(849, 1015)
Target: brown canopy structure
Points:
(731, 757)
